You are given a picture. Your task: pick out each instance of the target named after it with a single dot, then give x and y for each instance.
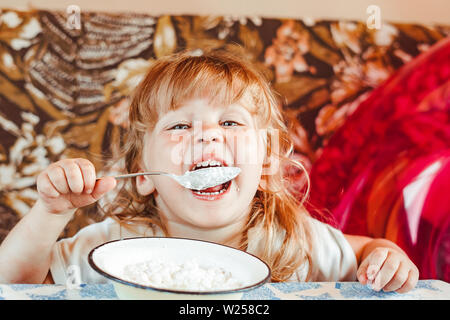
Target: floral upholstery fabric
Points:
(63, 91)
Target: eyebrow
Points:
(243, 110)
(234, 108)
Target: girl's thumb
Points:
(102, 186)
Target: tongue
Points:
(213, 189)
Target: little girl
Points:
(192, 111)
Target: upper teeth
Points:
(208, 163)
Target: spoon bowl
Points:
(198, 179)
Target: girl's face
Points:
(194, 133)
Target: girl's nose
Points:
(208, 133)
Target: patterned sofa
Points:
(348, 91)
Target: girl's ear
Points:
(262, 185)
(144, 185)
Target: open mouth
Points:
(212, 191)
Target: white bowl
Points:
(110, 258)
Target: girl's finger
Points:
(411, 282)
(58, 179)
(386, 273)
(45, 186)
(102, 186)
(361, 274)
(88, 173)
(73, 175)
(398, 280)
(375, 261)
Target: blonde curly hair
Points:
(278, 220)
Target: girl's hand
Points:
(69, 184)
(388, 269)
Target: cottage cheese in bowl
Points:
(190, 275)
(177, 268)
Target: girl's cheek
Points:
(173, 137)
(180, 148)
(176, 145)
(245, 146)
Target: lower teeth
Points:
(211, 193)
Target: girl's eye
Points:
(230, 123)
(180, 126)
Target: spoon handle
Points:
(130, 175)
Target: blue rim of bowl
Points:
(140, 286)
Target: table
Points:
(425, 290)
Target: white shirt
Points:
(333, 258)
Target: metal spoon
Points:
(198, 179)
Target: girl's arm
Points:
(383, 264)
(25, 254)
(65, 186)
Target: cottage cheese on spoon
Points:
(209, 177)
